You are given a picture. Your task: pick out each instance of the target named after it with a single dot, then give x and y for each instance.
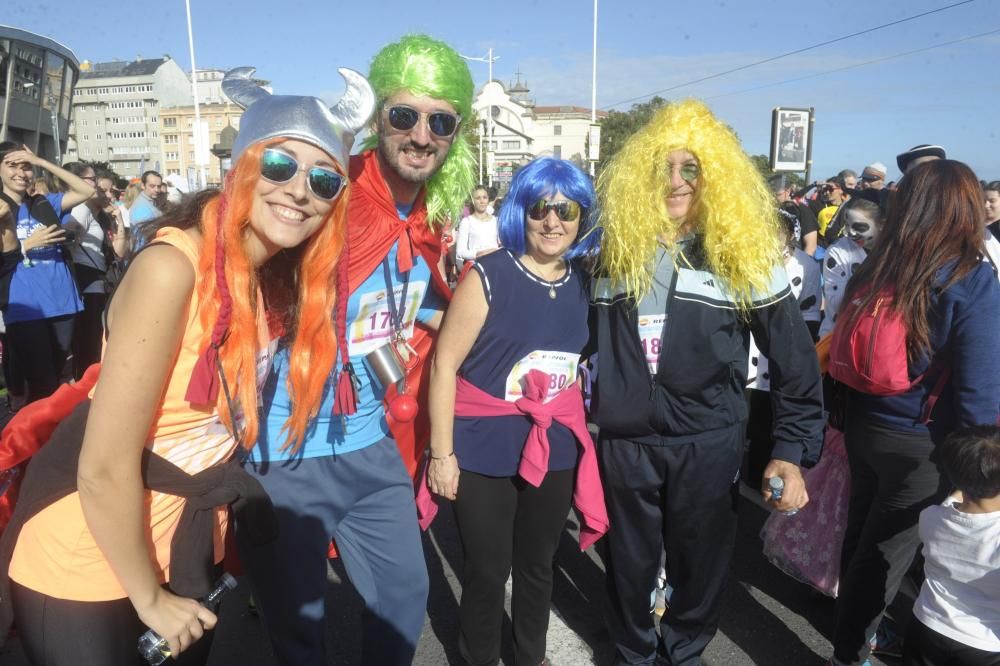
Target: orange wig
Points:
(313, 346)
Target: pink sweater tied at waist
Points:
(565, 408)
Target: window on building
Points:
(169, 122)
(511, 145)
(557, 130)
(190, 154)
(169, 138)
(557, 152)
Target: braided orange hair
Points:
(228, 303)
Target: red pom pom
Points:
(403, 408)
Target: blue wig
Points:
(539, 179)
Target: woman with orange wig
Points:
(196, 313)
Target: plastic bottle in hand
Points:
(777, 486)
(156, 650)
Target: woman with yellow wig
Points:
(690, 266)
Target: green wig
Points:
(424, 66)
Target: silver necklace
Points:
(550, 283)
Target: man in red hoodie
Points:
(351, 479)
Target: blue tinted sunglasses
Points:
(278, 167)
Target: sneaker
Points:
(887, 642)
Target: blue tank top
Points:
(525, 328)
(327, 434)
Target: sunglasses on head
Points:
(279, 167)
(441, 123)
(567, 211)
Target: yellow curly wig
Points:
(734, 211)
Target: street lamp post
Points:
(593, 94)
(489, 59)
(198, 147)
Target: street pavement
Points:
(767, 617)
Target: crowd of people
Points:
(301, 373)
(77, 229)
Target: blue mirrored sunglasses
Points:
(279, 167)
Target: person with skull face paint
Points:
(862, 220)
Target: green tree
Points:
(763, 164)
(618, 126)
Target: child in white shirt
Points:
(958, 610)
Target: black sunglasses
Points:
(567, 211)
(441, 123)
(278, 167)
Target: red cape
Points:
(373, 225)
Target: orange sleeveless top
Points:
(56, 554)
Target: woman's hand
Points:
(179, 620)
(24, 155)
(43, 237)
(442, 476)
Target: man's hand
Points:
(794, 496)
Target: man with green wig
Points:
(351, 479)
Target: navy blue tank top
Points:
(525, 328)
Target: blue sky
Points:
(948, 95)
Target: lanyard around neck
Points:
(396, 313)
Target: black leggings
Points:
(89, 333)
(41, 349)
(506, 523)
(58, 632)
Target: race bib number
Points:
(651, 337)
(372, 327)
(560, 367)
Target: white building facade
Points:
(116, 112)
(522, 131)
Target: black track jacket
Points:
(699, 384)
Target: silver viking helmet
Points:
(267, 116)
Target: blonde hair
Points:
(733, 210)
(131, 194)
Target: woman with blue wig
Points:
(508, 440)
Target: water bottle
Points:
(777, 486)
(156, 650)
